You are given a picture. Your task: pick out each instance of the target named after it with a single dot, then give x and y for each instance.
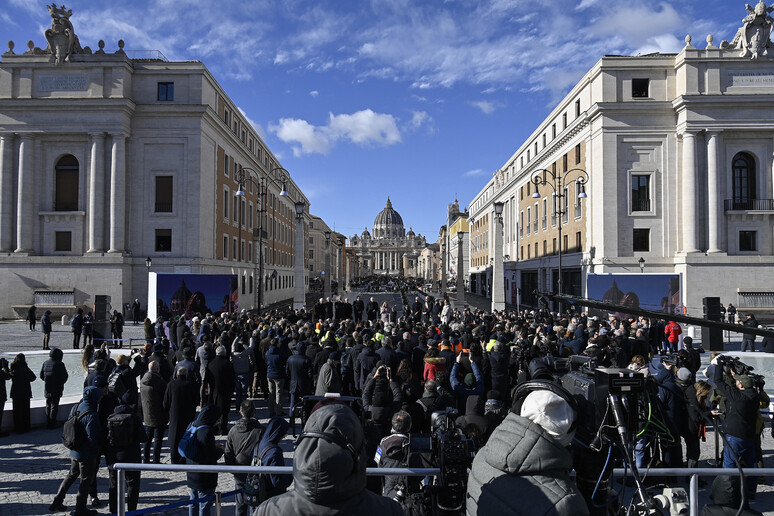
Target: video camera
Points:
(450, 450)
(731, 363)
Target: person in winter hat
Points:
(526, 457)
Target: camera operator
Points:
(740, 418)
(526, 458)
(393, 453)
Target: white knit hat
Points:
(552, 412)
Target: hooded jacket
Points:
(328, 479)
(54, 374)
(208, 453)
(242, 438)
(726, 497)
(152, 390)
(521, 461)
(95, 434)
(275, 431)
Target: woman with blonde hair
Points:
(87, 356)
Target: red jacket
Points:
(673, 331)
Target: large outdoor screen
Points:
(189, 294)
(656, 292)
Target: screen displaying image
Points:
(189, 294)
(656, 292)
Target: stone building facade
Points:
(106, 160)
(679, 152)
(390, 249)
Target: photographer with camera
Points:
(741, 415)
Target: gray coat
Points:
(521, 461)
(152, 390)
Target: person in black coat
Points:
(299, 370)
(204, 484)
(372, 310)
(21, 393)
(221, 378)
(54, 374)
(499, 361)
(365, 363)
(127, 453)
(180, 401)
(5, 374)
(357, 309)
(159, 355)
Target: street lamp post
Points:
(498, 275)
(641, 263)
(444, 265)
(260, 184)
(327, 278)
(460, 271)
(557, 181)
(299, 299)
(435, 270)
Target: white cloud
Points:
(475, 172)
(364, 127)
(307, 138)
(418, 118)
(314, 93)
(486, 107)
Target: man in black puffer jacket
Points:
(329, 471)
(54, 374)
(127, 450)
(242, 439)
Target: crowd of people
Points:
(192, 374)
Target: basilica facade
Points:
(389, 249)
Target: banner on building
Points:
(656, 292)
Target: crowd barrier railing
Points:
(692, 473)
(122, 467)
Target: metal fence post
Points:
(120, 494)
(693, 495)
(217, 503)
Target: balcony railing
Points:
(163, 207)
(640, 204)
(65, 206)
(545, 223)
(535, 226)
(749, 205)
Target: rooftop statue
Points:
(62, 41)
(753, 37)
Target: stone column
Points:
(25, 199)
(96, 194)
(688, 207)
(712, 194)
(299, 297)
(498, 275)
(6, 193)
(117, 194)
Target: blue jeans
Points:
(745, 451)
(201, 508)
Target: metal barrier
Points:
(693, 473)
(123, 467)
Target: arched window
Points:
(744, 180)
(66, 184)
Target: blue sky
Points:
(360, 99)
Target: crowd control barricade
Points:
(122, 467)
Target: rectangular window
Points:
(577, 154)
(578, 241)
(163, 240)
(227, 116)
(545, 247)
(234, 248)
(544, 141)
(748, 240)
(226, 166)
(242, 250)
(225, 247)
(235, 212)
(63, 241)
(564, 163)
(641, 240)
(553, 247)
(641, 192)
(564, 243)
(226, 202)
(553, 130)
(577, 108)
(166, 91)
(640, 88)
(164, 194)
(564, 120)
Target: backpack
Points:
(120, 430)
(116, 384)
(73, 431)
(189, 444)
(256, 487)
